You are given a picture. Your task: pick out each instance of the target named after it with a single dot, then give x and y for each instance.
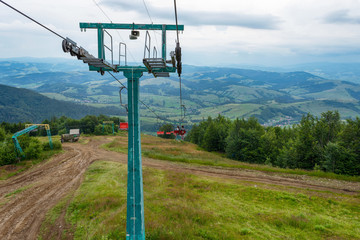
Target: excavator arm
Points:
(18, 148)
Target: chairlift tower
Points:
(135, 224)
(108, 122)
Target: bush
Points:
(46, 146)
(34, 149)
(24, 141)
(7, 153)
(57, 145)
(2, 134)
(62, 131)
(98, 130)
(167, 128)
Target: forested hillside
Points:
(324, 143)
(21, 105)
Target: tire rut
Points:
(45, 184)
(22, 213)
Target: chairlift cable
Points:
(117, 80)
(181, 105)
(176, 19)
(50, 30)
(102, 10)
(151, 21)
(139, 100)
(179, 58)
(147, 10)
(133, 58)
(33, 20)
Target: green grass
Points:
(14, 169)
(178, 151)
(58, 96)
(8, 196)
(184, 206)
(52, 216)
(17, 191)
(25, 165)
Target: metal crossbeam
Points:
(102, 26)
(131, 26)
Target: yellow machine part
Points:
(47, 127)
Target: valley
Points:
(275, 98)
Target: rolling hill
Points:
(20, 105)
(207, 91)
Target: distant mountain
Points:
(20, 105)
(207, 91)
(336, 71)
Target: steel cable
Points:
(32, 20)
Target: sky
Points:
(217, 33)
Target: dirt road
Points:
(25, 199)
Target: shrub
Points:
(34, 149)
(7, 153)
(167, 128)
(46, 146)
(56, 145)
(2, 134)
(24, 141)
(101, 129)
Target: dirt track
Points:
(21, 214)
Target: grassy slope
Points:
(170, 150)
(185, 206)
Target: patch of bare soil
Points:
(23, 211)
(26, 198)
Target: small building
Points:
(75, 131)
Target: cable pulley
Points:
(65, 46)
(179, 68)
(178, 58)
(178, 52)
(178, 48)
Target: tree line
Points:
(33, 148)
(322, 143)
(89, 124)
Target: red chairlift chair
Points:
(177, 132)
(124, 126)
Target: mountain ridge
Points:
(17, 104)
(207, 91)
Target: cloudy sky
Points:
(226, 32)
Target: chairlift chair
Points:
(124, 126)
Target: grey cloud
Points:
(341, 16)
(198, 18)
(124, 5)
(231, 19)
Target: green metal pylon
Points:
(108, 122)
(135, 223)
(50, 140)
